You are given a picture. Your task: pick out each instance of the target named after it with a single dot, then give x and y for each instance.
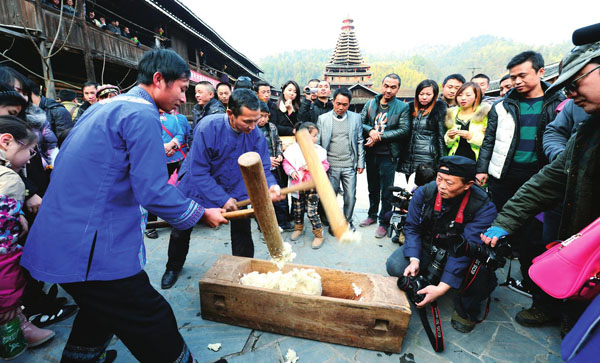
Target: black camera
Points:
(309, 90)
(431, 276)
(493, 258)
(412, 284)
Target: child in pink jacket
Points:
(294, 165)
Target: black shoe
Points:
(169, 279)
(351, 227)
(517, 286)
(46, 318)
(151, 233)
(330, 232)
(287, 227)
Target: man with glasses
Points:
(511, 153)
(571, 178)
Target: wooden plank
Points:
(378, 322)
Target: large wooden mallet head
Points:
(258, 191)
(337, 221)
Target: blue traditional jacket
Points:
(172, 124)
(210, 174)
(91, 223)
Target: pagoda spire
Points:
(346, 66)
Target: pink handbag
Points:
(571, 269)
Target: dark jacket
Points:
(426, 139)
(502, 133)
(285, 123)
(212, 107)
(84, 106)
(421, 218)
(310, 111)
(397, 124)
(559, 131)
(571, 179)
(56, 114)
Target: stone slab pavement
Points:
(498, 339)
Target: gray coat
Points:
(357, 152)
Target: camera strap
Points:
(460, 215)
(471, 275)
(435, 339)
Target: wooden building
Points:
(346, 67)
(66, 51)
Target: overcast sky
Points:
(266, 27)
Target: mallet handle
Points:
(285, 191)
(337, 221)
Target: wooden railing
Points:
(102, 44)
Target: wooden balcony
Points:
(17, 14)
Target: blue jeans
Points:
(347, 176)
(380, 176)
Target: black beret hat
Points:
(458, 166)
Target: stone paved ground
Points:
(497, 339)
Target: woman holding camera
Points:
(284, 114)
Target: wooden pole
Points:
(238, 214)
(337, 221)
(46, 64)
(256, 183)
(87, 53)
(285, 191)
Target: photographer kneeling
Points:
(454, 207)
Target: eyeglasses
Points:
(32, 151)
(571, 87)
(244, 78)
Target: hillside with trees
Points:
(484, 54)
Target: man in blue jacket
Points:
(210, 174)
(89, 233)
(451, 204)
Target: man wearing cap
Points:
(572, 178)
(434, 210)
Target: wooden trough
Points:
(378, 322)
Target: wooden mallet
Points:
(256, 183)
(337, 221)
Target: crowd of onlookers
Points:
(509, 138)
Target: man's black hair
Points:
(259, 84)
(314, 80)
(223, 84)
(424, 174)
(89, 83)
(67, 95)
(504, 78)
(536, 59)
(393, 76)
(243, 82)
(457, 76)
(344, 92)
(480, 75)
(243, 97)
(164, 61)
(264, 107)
